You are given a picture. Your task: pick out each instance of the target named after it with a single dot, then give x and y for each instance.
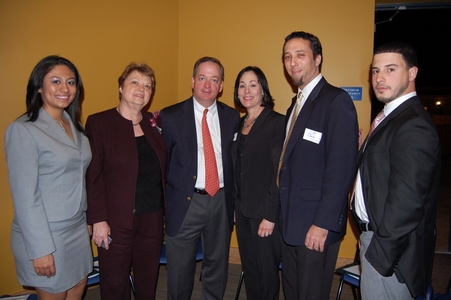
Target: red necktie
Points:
(211, 170)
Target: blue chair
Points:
(350, 274)
(94, 276)
(163, 259)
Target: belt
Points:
(365, 226)
(202, 192)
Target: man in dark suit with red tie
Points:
(199, 190)
(397, 183)
(317, 169)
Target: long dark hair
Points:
(36, 81)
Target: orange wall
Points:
(252, 32)
(102, 37)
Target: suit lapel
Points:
(395, 113)
(261, 119)
(304, 114)
(222, 124)
(189, 127)
(48, 124)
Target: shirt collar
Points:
(309, 87)
(392, 105)
(212, 109)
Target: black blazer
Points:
(400, 169)
(259, 193)
(179, 133)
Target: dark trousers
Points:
(308, 274)
(260, 258)
(207, 219)
(138, 249)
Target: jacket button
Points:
(194, 177)
(189, 198)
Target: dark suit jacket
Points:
(316, 178)
(400, 168)
(259, 193)
(179, 133)
(112, 174)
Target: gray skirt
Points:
(73, 256)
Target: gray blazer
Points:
(46, 172)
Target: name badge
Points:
(312, 136)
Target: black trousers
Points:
(260, 258)
(308, 274)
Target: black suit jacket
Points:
(400, 168)
(179, 133)
(111, 176)
(316, 177)
(259, 193)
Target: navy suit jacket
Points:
(179, 133)
(316, 177)
(112, 174)
(400, 173)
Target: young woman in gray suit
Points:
(47, 153)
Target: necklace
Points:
(61, 124)
(140, 119)
(250, 124)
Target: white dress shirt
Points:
(305, 92)
(215, 132)
(360, 208)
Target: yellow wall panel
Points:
(102, 37)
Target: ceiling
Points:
(411, 4)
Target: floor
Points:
(443, 246)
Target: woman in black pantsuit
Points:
(256, 152)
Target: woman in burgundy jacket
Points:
(125, 185)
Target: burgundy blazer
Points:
(112, 174)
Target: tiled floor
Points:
(444, 207)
